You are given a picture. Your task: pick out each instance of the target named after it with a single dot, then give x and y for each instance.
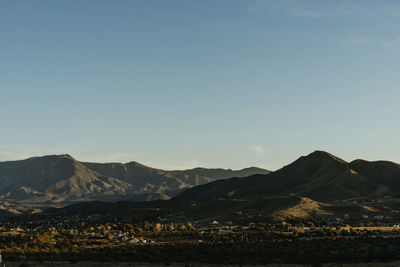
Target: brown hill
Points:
(278, 208)
(319, 176)
(61, 179)
(318, 186)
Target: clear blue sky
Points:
(179, 84)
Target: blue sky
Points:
(179, 84)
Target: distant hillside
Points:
(266, 209)
(317, 186)
(319, 176)
(146, 180)
(57, 179)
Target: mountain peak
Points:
(324, 154)
(67, 156)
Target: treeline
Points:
(314, 251)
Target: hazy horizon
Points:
(198, 166)
(183, 84)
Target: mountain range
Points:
(320, 176)
(317, 186)
(314, 185)
(42, 181)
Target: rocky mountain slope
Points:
(60, 179)
(318, 186)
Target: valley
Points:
(317, 210)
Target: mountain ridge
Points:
(320, 176)
(318, 186)
(61, 178)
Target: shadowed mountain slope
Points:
(319, 176)
(385, 173)
(277, 208)
(312, 187)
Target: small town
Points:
(90, 238)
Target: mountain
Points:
(146, 180)
(319, 176)
(318, 186)
(54, 177)
(313, 185)
(42, 181)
